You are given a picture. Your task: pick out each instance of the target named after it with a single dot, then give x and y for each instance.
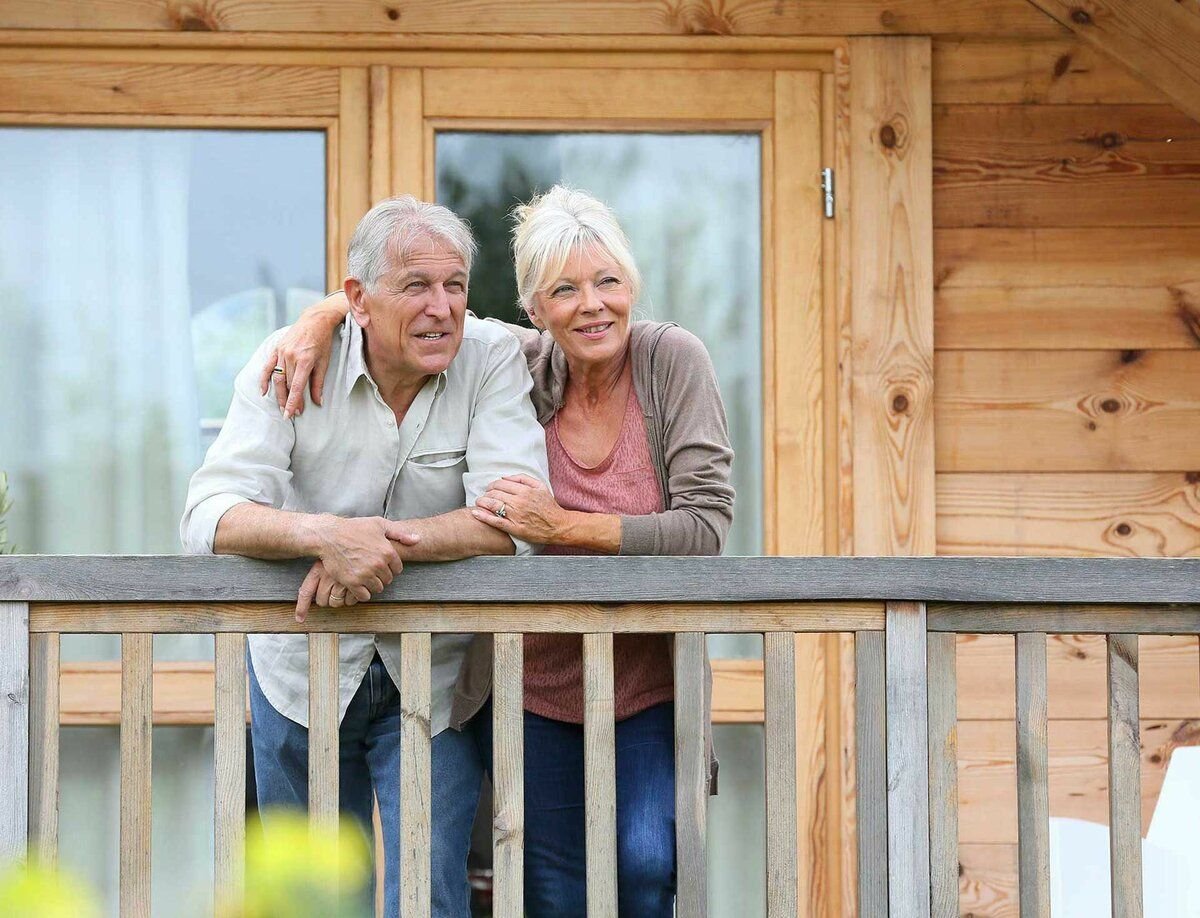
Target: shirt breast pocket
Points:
(439, 459)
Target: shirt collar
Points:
(355, 363)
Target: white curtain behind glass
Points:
(98, 429)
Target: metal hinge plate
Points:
(827, 187)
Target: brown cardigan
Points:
(689, 445)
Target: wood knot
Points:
(900, 404)
(1155, 758)
(887, 19)
(194, 17)
(1130, 356)
(1061, 66)
(1080, 16)
(1110, 406)
(1111, 140)
(1079, 654)
(393, 13)
(1091, 425)
(1123, 529)
(888, 137)
(1192, 477)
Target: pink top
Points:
(624, 483)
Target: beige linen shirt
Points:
(466, 427)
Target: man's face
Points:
(414, 315)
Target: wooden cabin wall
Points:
(1067, 394)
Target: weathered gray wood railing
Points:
(904, 614)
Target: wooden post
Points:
(416, 811)
(137, 705)
(1124, 777)
(907, 761)
(600, 775)
(870, 741)
(691, 778)
(943, 776)
(508, 776)
(1033, 789)
(779, 661)
(229, 766)
(14, 731)
(323, 742)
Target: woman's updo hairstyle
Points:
(554, 226)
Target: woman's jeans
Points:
(370, 759)
(555, 878)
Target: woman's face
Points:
(586, 308)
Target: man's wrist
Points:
(312, 533)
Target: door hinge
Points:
(827, 187)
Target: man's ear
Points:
(355, 295)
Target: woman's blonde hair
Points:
(553, 226)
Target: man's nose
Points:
(439, 300)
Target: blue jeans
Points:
(370, 760)
(555, 879)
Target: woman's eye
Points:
(559, 291)
(609, 281)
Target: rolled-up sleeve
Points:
(505, 437)
(250, 460)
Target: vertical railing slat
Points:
(229, 766)
(779, 663)
(508, 776)
(870, 745)
(1033, 788)
(137, 712)
(14, 731)
(943, 775)
(323, 745)
(600, 775)
(415, 799)
(43, 747)
(691, 778)
(907, 761)
(1124, 776)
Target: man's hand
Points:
(357, 555)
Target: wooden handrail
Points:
(904, 613)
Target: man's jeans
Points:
(555, 878)
(370, 758)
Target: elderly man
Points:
(424, 406)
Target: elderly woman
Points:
(639, 463)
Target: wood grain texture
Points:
(323, 740)
(1165, 317)
(1158, 40)
(229, 767)
(137, 653)
(779, 658)
(983, 69)
(1065, 165)
(1033, 793)
(1120, 514)
(1078, 769)
(600, 775)
(870, 750)
(1076, 686)
(569, 589)
(943, 776)
(408, 135)
(657, 94)
(691, 778)
(814, 697)
(1055, 411)
(43, 747)
(1124, 777)
(508, 776)
(907, 761)
(988, 884)
(416, 801)
(176, 89)
(379, 151)
(1132, 257)
(892, 257)
(1067, 618)
(353, 155)
(632, 17)
(14, 730)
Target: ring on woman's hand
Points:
(501, 512)
(277, 370)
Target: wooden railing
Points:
(904, 614)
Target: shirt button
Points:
(391, 422)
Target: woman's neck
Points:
(592, 385)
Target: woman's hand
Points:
(530, 511)
(304, 355)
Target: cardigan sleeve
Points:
(695, 451)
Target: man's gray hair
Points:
(393, 227)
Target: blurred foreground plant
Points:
(34, 891)
(293, 871)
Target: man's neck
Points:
(397, 387)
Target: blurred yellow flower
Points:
(295, 871)
(34, 891)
